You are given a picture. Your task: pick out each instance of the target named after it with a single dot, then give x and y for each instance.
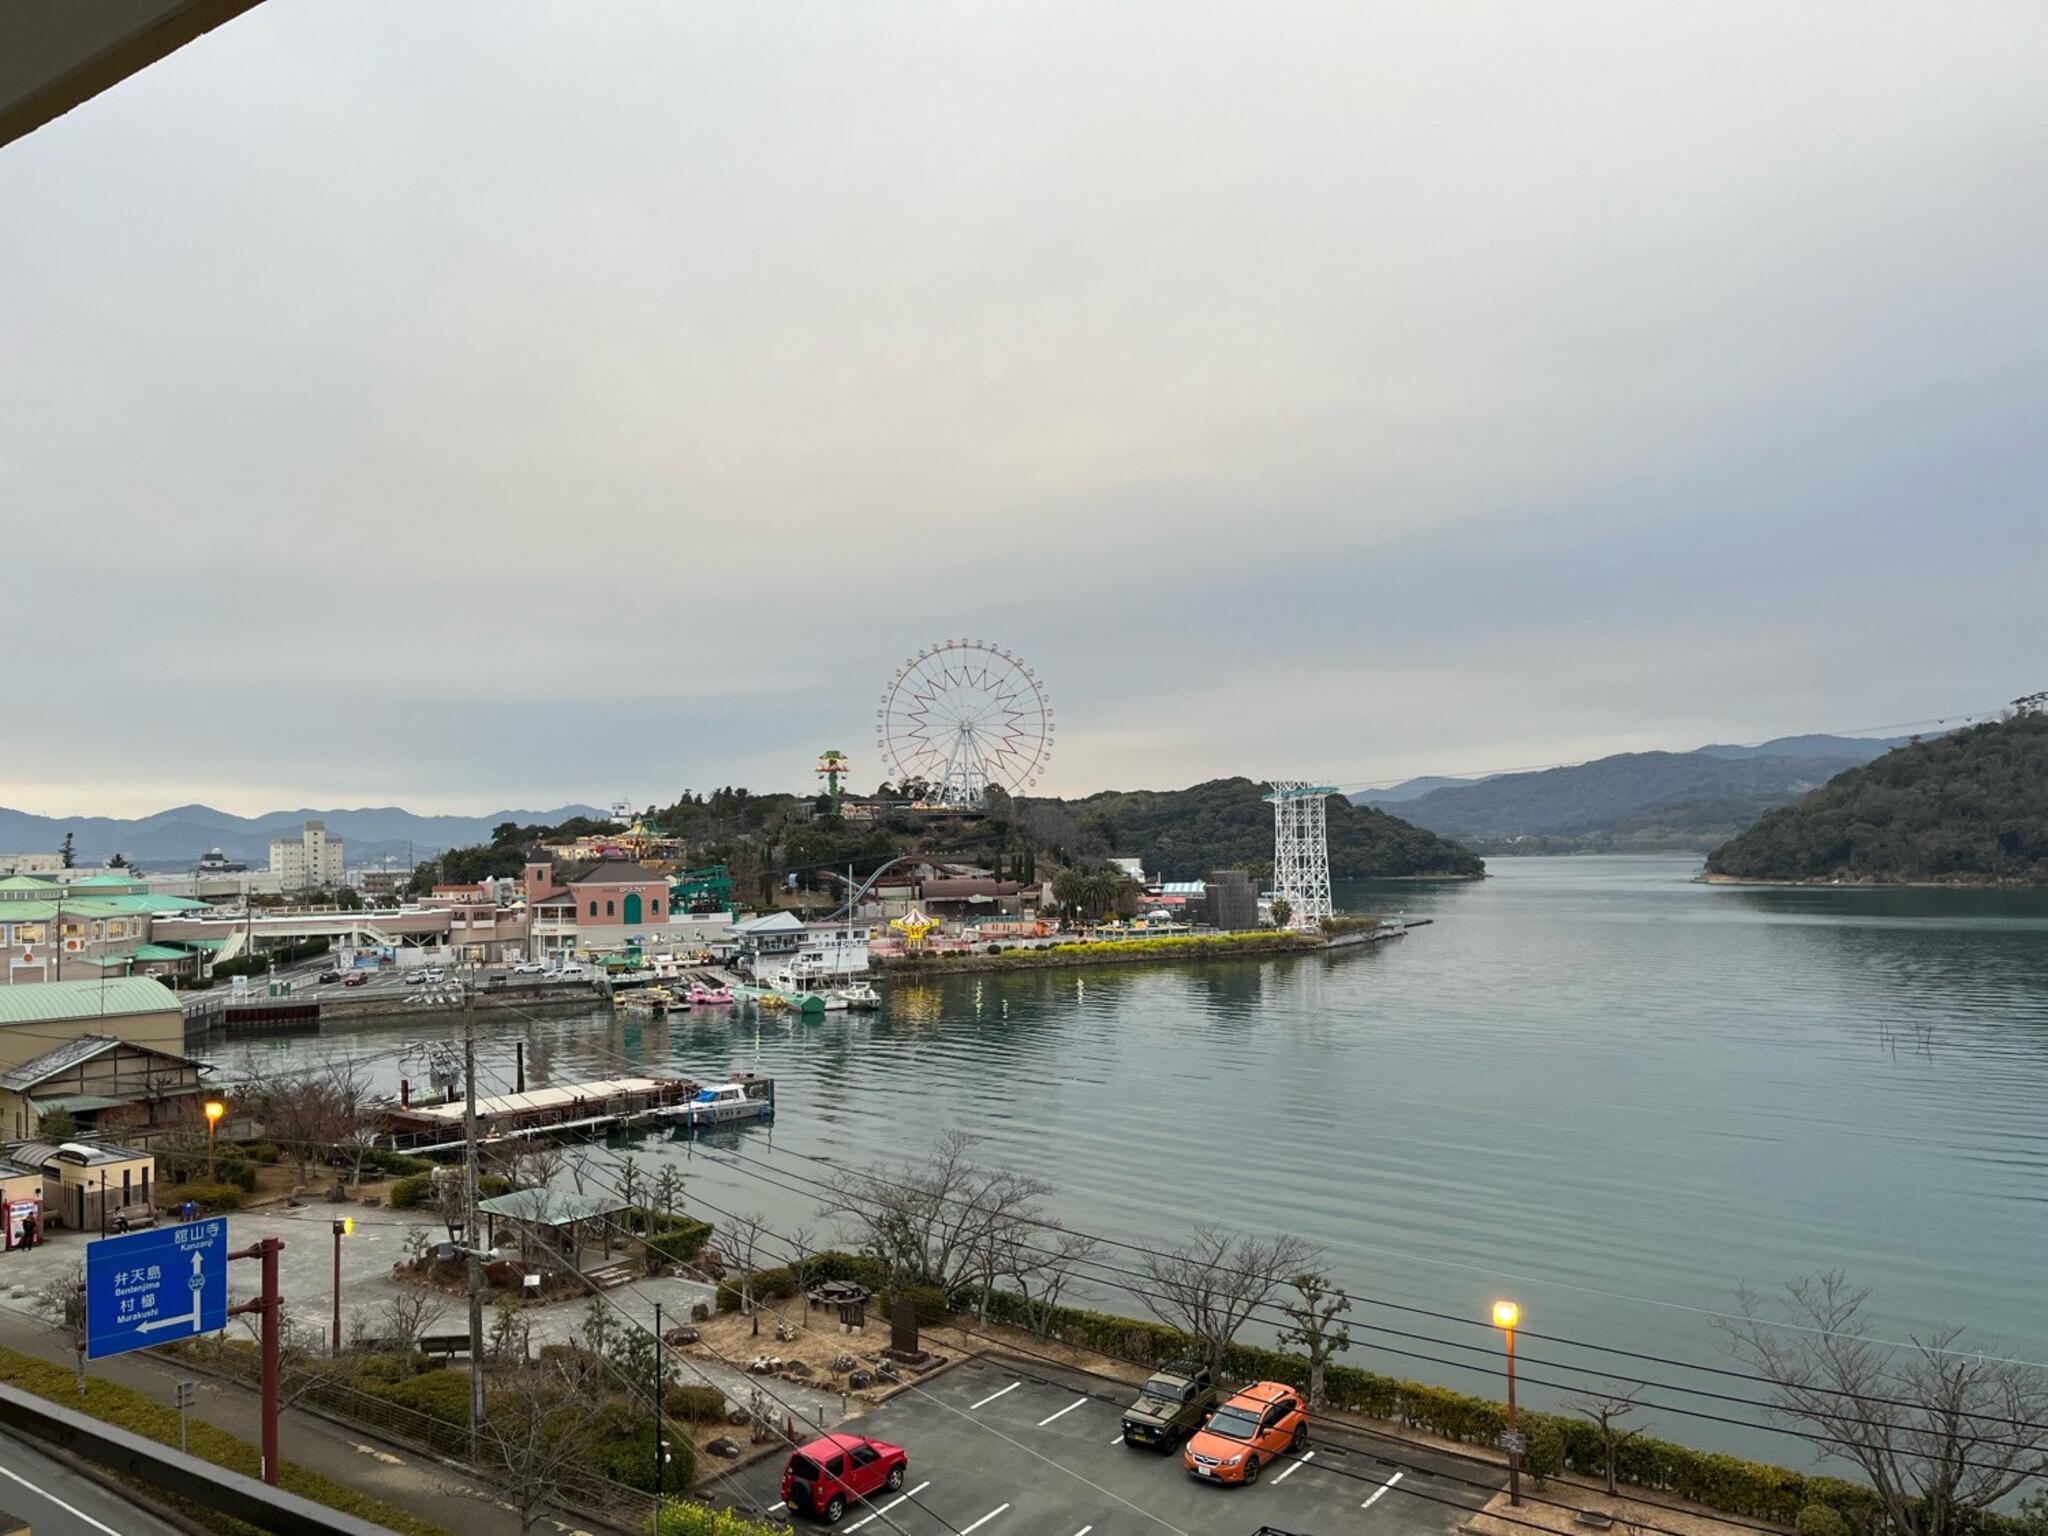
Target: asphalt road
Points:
(57, 1501)
(1003, 1448)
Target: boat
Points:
(700, 994)
(654, 1000)
(795, 996)
(745, 1098)
(861, 995)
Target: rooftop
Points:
(64, 1057)
(43, 1002)
(618, 872)
(82, 1153)
(551, 1207)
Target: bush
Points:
(261, 1151)
(683, 1240)
(414, 1189)
(1820, 1520)
(492, 1185)
(682, 1517)
(207, 1197)
(1544, 1458)
(694, 1404)
(384, 1160)
(928, 1301)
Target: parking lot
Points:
(1022, 1448)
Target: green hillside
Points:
(1184, 834)
(1970, 807)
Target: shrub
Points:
(1820, 1520)
(207, 1197)
(260, 1151)
(1544, 1458)
(492, 1185)
(682, 1517)
(694, 1404)
(928, 1301)
(412, 1190)
(683, 1240)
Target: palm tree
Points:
(1070, 889)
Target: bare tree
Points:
(1312, 1316)
(1209, 1285)
(1042, 1263)
(739, 1244)
(1606, 1405)
(1940, 1431)
(803, 1242)
(668, 1190)
(941, 1219)
(410, 1315)
(310, 1113)
(543, 1427)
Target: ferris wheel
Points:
(963, 715)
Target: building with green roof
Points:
(37, 1017)
(54, 930)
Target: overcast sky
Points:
(469, 405)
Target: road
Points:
(1022, 1448)
(57, 1501)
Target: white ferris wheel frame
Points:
(963, 715)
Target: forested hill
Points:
(1970, 807)
(1185, 834)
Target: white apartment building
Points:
(31, 863)
(311, 859)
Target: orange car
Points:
(1264, 1421)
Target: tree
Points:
(1041, 1263)
(1314, 1326)
(803, 1243)
(1606, 1406)
(65, 852)
(118, 861)
(938, 1219)
(1211, 1283)
(1283, 911)
(739, 1243)
(1942, 1432)
(542, 1429)
(311, 1112)
(1070, 890)
(668, 1190)
(410, 1315)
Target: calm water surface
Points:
(1591, 1084)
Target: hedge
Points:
(134, 1411)
(684, 1240)
(208, 1197)
(411, 1191)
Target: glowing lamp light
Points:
(1506, 1314)
(215, 1109)
(346, 1226)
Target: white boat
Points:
(860, 995)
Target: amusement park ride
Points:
(961, 717)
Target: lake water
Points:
(1591, 1084)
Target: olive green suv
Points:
(1171, 1406)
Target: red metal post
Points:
(338, 1230)
(273, 1306)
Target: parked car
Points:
(356, 979)
(1264, 1421)
(834, 1472)
(1171, 1406)
(327, 977)
(414, 978)
(435, 976)
(529, 968)
(572, 970)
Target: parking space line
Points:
(1013, 1386)
(1077, 1402)
(984, 1520)
(864, 1519)
(774, 1507)
(1292, 1467)
(1119, 1440)
(1379, 1491)
(1084, 1530)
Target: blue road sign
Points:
(151, 1287)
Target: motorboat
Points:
(861, 995)
(700, 994)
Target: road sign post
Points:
(188, 1394)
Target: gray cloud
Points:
(389, 385)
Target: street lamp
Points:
(214, 1110)
(342, 1228)
(1505, 1316)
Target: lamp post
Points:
(342, 1228)
(1505, 1315)
(214, 1110)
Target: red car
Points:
(356, 979)
(834, 1472)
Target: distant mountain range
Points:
(177, 838)
(1633, 802)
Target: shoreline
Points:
(1135, 952)
(1823, 883)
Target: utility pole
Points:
(476, 1274)
(660, 1460)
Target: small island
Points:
(1967, 808)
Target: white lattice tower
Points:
(1301, 849)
